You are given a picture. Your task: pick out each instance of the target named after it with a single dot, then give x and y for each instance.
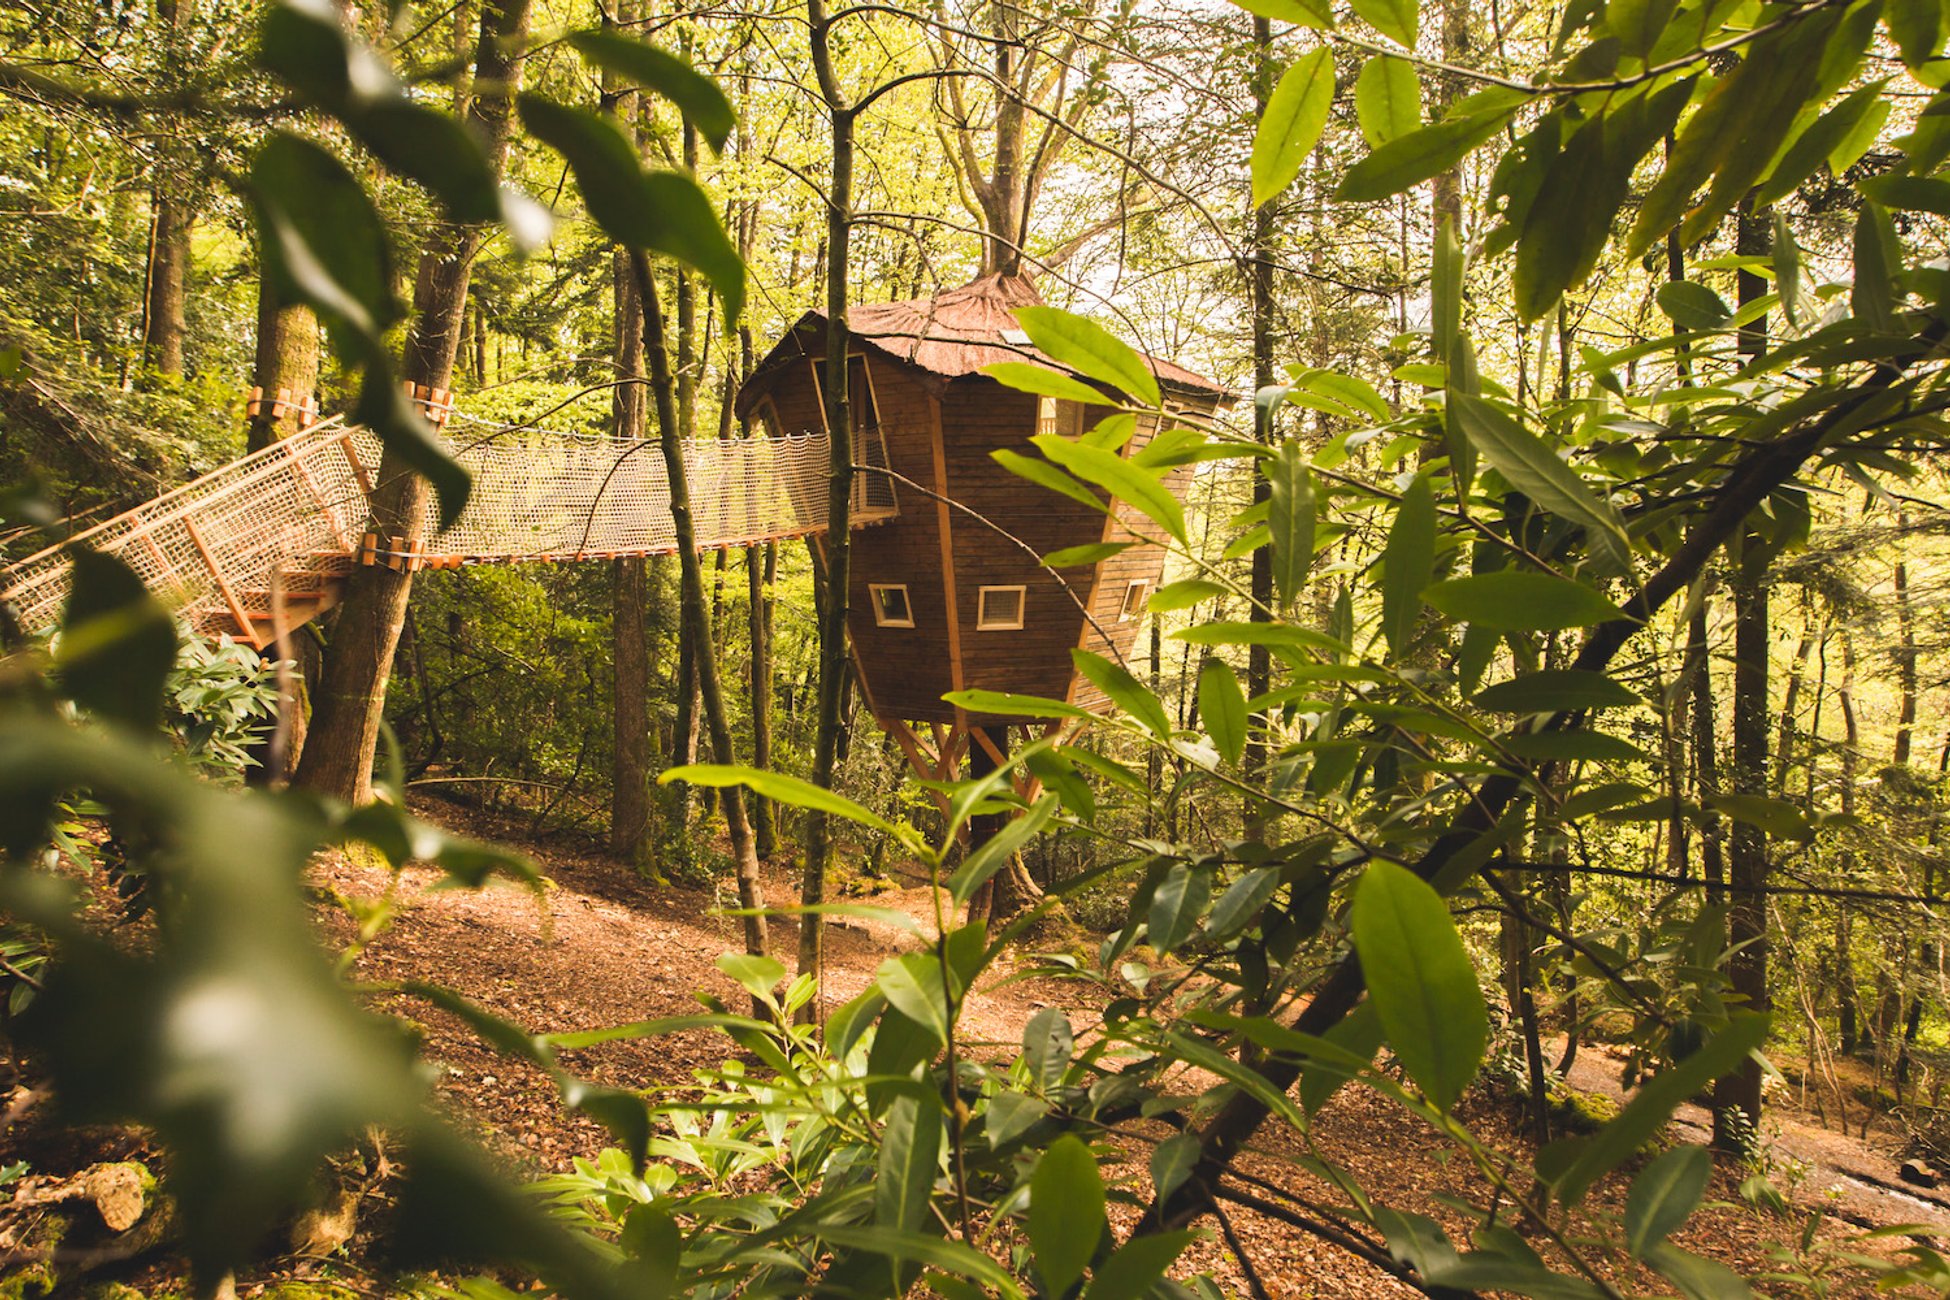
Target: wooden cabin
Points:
(939, 601)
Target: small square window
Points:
(890, 607)
(999, 609)
(1134, 598)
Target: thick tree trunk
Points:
(836, 569)
(351, 698)
(697, 614)
(286, 369)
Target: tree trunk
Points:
(629, 808)
(1747, 862)
(286, 369)
(1706, 754)
(1905, 659)
(351, 698)
(836, 568)
(1012, 890)
(1847, 1029)
(172, 212)
(1259, 660)
(696, 613)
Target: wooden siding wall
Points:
(933, 550)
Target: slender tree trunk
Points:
(1790, 701)
(629, 807)
(1905, 659)
(696, 612)
(837, 546)
(1259, 660)
(172, 212)
(351, 698)
(1846, 1026)
(1706, 753)
(1747, 863)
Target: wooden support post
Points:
(229, 597)
(358, 470)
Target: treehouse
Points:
(942, 595)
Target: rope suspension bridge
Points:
(266, 542)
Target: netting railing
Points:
(293, 516)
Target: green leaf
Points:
(1421, 980)
(1693, 305)
(1089, 553)
(910, 1152)
(1047, 1046)
(1177, 903)
(1514, 600)
(1172, 1162)
(1184, 594)
(1242, 902)
(1278, 635)
(999, 848)
(1305, 13)
(912, 985)
(662, 212)
(1138, 487)
(1044, 474)
(756, 973)
(1089, 349)
(1222, 706)
(384, 408)
(322, 242)
(1638, 24)
(1664, 1194)
(1290, 517)
(1733, 136)
(1027, 377)
(1358, 1036)
(1006, 704)
(1573, 747)
(1654, 1103)
(1125, 691)
(117, 643)
(1066, 1212)
(1821, 139)
(1535, 470)
(1917, 28)
(1139, 1264)
(1395, 19)
(1387, 99)
(1878, 260)
(1407, 564)
(1910, 193)
(697, 97)
(1291, 125)
(1777, 817)
(1697, 1277)
(1011, 1115)
(1413, 158)
(1554, 690)
(950, 1256)
(780, 788)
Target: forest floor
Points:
(608, 947)
(602, 946)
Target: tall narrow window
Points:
(890, 607)
(1060, 416)
(999, 609)
(1134, 597)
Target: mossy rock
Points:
(28, 1282)
(1575, 1111)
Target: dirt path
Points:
(603, 947)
